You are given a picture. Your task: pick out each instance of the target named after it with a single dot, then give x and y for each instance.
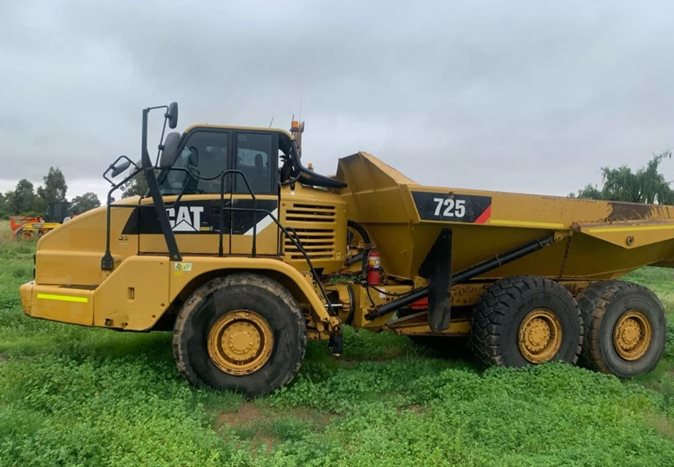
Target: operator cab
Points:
(209, 159)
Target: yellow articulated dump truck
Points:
(244, 253)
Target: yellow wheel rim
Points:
(240, 342)
(632, 335)
(540, 336)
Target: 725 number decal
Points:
(450, 207)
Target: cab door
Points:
(255, 186)
(234, 172)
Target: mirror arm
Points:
(158, 201)
(160, 146)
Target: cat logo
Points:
(187, 219)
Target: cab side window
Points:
(254, 159)
(208, 150)
(205, 153)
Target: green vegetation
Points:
(646, 185)
(72, 395)
(26, 200)
(137, 186)
(84, 202)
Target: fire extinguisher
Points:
(374, 268)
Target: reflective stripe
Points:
(62, 298)
(631, 228)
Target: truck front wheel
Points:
(242, 332)
(526, 320)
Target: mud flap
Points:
(437, 269)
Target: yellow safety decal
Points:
(62, 298)
(182, 267)
(531, 224)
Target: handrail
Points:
(255, 210)
(222, 175)
(107, 262)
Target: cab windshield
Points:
(207, 154)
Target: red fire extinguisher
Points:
(374, 268)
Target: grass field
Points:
(78, 396)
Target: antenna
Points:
(271, 121)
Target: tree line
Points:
(26, 200)
(646, 185)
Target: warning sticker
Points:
(182, 267)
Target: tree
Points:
(55, 187)
(4, 210)
(9, 202)
(87, 201)
(136, 187)
(590, 192)
(23, 200)
(647, 185)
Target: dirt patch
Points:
(246, 421)
(416, 409)
(664, 426)
(628, 211)
(246, 413)
(249, 413)
(260, 424)
(317, 419)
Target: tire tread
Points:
(493, 310)
(594, 302)
(224, 282)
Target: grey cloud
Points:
(528, 96)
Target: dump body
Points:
(603, 239)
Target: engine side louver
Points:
(313, 225)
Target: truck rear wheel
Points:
(625, 328)
(526, 320)
(242, 332)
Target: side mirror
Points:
(172, 115)
(116, 168)
(120, 167)
(169, 151)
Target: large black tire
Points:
(606, 304)
(510, 302)
(586, 304)
(240, 293)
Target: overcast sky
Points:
(529, 96)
